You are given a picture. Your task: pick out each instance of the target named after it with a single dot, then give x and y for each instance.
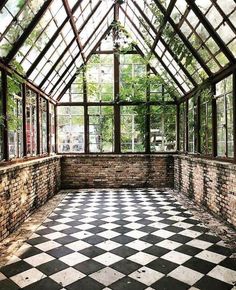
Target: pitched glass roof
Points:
(185, 41)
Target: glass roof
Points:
(185, 41)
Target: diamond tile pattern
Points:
(117, 240)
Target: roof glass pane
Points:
(18, 15)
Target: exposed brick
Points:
(209, 182)
(114, 171)
(23, 188)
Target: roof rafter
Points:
(69, 45)
(52, 39)
(175, 57)
(2, 4)
(89, 56)
(184, 39)
(86, 43)
(72, 22)
(211, 31)
(151, 67)
(163, 24)
(155, 54)
(27, 31)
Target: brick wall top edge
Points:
(202, 160)
(117, 156)
(23, 164)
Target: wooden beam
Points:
(184, 39)
(24, 119)
(4, 114)
(50, 42)
(163, 24)
(203, 19)
(156, 55)
(88, 57)
(234, 113)
(212, 80)
(27, 31)
(73, 25)
(2, 4)
(29, 84)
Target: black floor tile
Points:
(156, 251)
(92, 251)
(199, 265)
(60, 252)
(162, 265)
(15, 268)
(168, 283)
(52, 267)
(127, 284)
(88, 267)
(208, 283)
(8, 285)
(125, 266)
(86, 283)
(44, 284)
(124, 251)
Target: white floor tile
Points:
(176, 257)
(146, 276)
(186, 275)
(74, 258)
(78, 246)
(67, 276)
(210, 256)
(107, 276)
(27, 277)
(142, 258)
(107, 259)
(138, 245)
(223, 274)
(39, 259)
(47, 246)
(108, 245)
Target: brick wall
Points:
(209, 182)
(104, 171)
(23, 188)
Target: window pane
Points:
(43, 125)
(31, 123)
(14, 113)
(70, 122)
(163, 133)
(101, 129)
(225, 117)
(133, 124)
(206, 122)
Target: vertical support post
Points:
(147, 116)
(117, 90)
(214, 123)
(117, 106)
(234, 113)
(48, 129)
(198, 124)
(177, 127)
(4, 113)
(55, 125)
(86, 116)
(186, 127)
(38, 123)
(24, 119)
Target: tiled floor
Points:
(121, 240)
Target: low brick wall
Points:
(23, 188)
(114, 171)
(209, 182)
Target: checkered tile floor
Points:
(121, 240)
